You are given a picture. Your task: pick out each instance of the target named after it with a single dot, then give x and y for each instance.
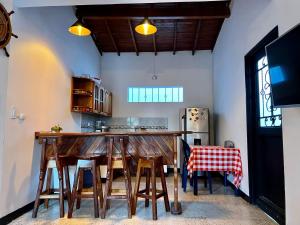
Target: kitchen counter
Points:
(81, 143)
(43, 134)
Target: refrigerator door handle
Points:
(184, 127)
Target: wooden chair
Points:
(117, 161)
(186, 155)
(194, 179)
(92, 163)
(150, 163)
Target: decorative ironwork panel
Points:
(269, 116)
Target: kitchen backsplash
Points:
(88, 123)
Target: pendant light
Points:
(79, 29)
(146, 27)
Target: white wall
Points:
(193, 73)
(3, 88)
(249, 23)
(42, 62)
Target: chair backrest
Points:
(228, 144)
(186, 150)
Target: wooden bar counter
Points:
(54, 144)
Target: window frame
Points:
(158, 98)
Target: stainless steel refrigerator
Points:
(197, 121)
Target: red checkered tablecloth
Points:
(216, 158)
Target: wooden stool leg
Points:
(153, 186)
(43, 169)
(80, 186)
(108, 178)
(74, 193)
(48, 186)
(61, 192)
(107, 191)
(68, 188)
(39, 190)
(147, 186)
(100, 191)
(110, 189)
(127, 178)
(136, 187)
(164, 187)
(95, 189)
(129, 191)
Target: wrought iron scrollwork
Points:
(269, 115)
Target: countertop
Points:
(41, 134)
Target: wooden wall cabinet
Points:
(89, 97)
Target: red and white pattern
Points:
(216, 158)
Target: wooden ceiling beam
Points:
(154, 44)
(196, 36)
(111, 37)
(196, 10)
(133, 37)
(175, 38)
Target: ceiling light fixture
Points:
(79, 29)
(146, 27)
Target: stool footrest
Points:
(53, 196)
(142, 195)
(152, 164)
(117, 197)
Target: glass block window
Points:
(269, 116)
(155, 94)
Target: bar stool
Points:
(117, 161)
(92, 163)
(47, 166)
(150, 163)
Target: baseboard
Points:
(272, 210)
(15, 214)
(238, 192)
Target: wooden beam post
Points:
(133, 37)
(196, 36)
(111, 37)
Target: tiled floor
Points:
(220, 208)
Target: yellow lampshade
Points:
(146, 28)
(79, 30)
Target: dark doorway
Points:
(264, 132)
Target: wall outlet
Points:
(13, 113)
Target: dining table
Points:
(216, 159)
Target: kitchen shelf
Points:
(88, 97)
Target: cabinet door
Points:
(101, 101)
(109, 104)
(96, 99)
(106, 99)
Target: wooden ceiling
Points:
(180, 26)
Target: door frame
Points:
(251, 116)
